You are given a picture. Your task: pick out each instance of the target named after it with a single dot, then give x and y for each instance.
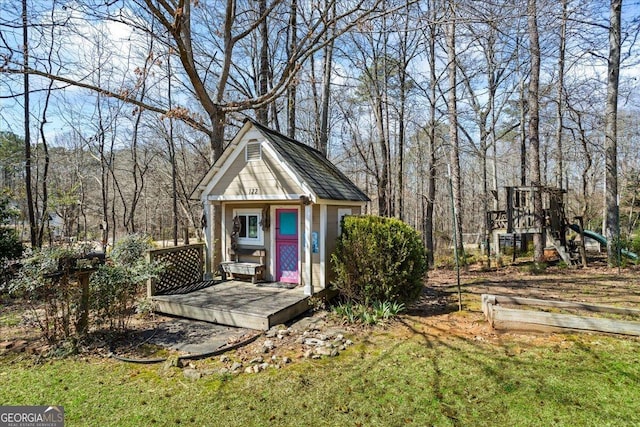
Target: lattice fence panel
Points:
(184, 270)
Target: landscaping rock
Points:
(192, 374)
(224, 358)
(327, 351)
(236, 366)
(172, 362)
(315, 342)
(268, 346)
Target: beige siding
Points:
(258, 177)
(332, 234)
(315, 257)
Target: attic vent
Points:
(253, 151)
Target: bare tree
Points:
(560, 94)
(452, 108)
(33, 234)
(291, 88)
(430, 198)
(611, 133)
(322, 139)
(534, 127)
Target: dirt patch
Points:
(597, 284)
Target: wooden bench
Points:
(183, 272)
(254, 269)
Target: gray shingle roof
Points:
(324, 178)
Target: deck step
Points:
(239, 304)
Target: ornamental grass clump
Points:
(379, 260)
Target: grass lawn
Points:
(429, 368)
(402, 375)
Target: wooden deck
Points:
(236, 303)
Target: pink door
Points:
(287, 246)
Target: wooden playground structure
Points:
(514, 225)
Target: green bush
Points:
(10, 245)
(46, 279)
(379, 259)
(131, 249)
(116, 286)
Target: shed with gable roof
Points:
(275, 206)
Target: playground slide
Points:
(603, 241)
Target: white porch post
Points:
(208, 235)
(223, 232)
(322, 247)
(306, 273)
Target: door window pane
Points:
(243, 226)
(253, 226)
(288, 224)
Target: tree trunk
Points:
(263, 73)
(560, 98)
(534, 141)
(383, 174)
(403, 64)
(292, 88)
(431, 130)
(522, 122)
(104, 176)
(327, 65)
(611, 135)
(172, 158)
(44, 212)
(452, 108)
(27, 132)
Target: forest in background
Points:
(128, 102)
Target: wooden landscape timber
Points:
(519, 319)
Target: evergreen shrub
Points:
(10, 245)
(379, 259)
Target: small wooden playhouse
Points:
(277, 206)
